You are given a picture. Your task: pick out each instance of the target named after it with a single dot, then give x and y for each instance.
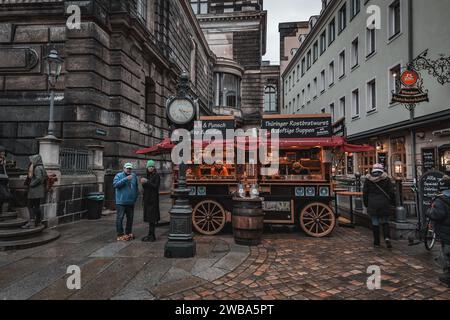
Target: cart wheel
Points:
(208, 217)
(317, 220)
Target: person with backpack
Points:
(36, 182)
(378, 193)
(439, 213)
(151, 185)
(125, 184)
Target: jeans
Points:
(123, 211)
(377, 221)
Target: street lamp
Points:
(53, 68)
(400, 211)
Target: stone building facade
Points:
(119, 69)
(236, 33)
(120, 66)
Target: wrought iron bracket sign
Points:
(411, 89)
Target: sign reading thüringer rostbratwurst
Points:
(314, 127)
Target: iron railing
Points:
(74, 162)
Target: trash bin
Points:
(95, 205)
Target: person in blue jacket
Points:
(126, 186)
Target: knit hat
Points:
(378, 167)
(150, 163)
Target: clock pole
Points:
(181, 243)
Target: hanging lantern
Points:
(53, 67)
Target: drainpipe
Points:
(410, 59)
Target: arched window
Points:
(228, 90)
(270, 99)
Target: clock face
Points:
(181, 111)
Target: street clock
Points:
(181, 112)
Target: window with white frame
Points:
(303, 98)
(290, 82)
(394, 74)
(342, 64)
(298, 101)
(315, 89)
(355, 7)
(308, 93)
(323, 42)
(270, 99)
(293, 105)
(370, 40)
(331, 31)
(322, 81)
(298, 72)
(394, 19)
(308, 59)
(315, 51)
(285, 88)
(342, 107)
(342, 18)
(293, 79)
(199, 6)
(331, 74)
(355, 103)
(333, 116)
(371, 95)
(303, 66)
(355, 52)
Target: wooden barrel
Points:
(248, 221)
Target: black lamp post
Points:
(53, 68)
(181, 243)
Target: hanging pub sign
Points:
(411, 91)
(429, 188)
(307, 126)
(428, 159)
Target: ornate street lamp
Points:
(53, 66)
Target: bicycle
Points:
(426, 232)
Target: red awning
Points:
(353, 148)
(163, 147)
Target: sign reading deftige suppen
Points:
(300, 127)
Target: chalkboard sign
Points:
(429, 188)
(428, 159)
(349, 164)
(382, 159)
(305, 127)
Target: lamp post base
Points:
(180, 250)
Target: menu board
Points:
(429, 188)
(428, 159)
(305, 127)
(382, 159)
(350, 165)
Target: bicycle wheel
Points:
(430, 236)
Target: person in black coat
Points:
(378, 193)
(440, 215)
(151, 200)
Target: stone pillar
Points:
(49, 148)
(96, 165)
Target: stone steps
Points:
(8, 215)
(13, 237)
(12, 223)
(44, 237)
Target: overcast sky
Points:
(285, 11)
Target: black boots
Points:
(151, 233)
(387, 235)
(376, 236)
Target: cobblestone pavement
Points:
(287, 265)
